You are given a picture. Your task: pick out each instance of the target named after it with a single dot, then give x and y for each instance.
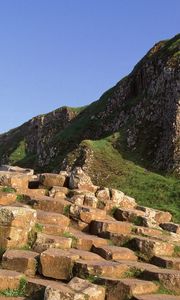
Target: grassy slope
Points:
(109, 168)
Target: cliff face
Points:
(30, 143)
(143, 108)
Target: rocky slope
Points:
(143, 108)
(62, 237)
(134, 128)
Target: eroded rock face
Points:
(80, 180)
(15, 225)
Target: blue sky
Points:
(68, 52)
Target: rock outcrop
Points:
(143, 108)
(89, 242)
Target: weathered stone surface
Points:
(15, 225)
(90, 200)
(157, 215)
(103, 194)
(21, 261)
(103, 228)
(99, 268)
(49, 204)
(50, 180)
(169, 278)
(92, 291)
(129, 215)
(45, 241)
(56, 263)
(52, 218)
(79, 180)
(9, 279)
(166, 262)
(150, 247)
(127, 288)
(86, 213)
(83, 241)
(172, 227)
(115, 253)
(7, 198)
(64, 292)
(58, 191)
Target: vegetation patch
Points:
(20, 292)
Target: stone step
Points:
(21, 261)
(46, 241)
(156, 297)
(91, 291)
(158, 215)
(58, 264)
(168, 278)
(83, 241)
(49, 204)
(86, 213)
(151, 232)
(7, 198)
(85, 269)
(50, 180)
(149, 247)
(53, 229)
(9, 279)
(104, 228)
(77, 288)
(172, 227)
(58, 192)
(166, 262)
(52, 218)
(115, 253)
(137, 267)
(123, 289)
(129, 215)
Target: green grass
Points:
(109, 168)
(8, 189)
(70, 235)
(66, 210)
(20, 292)
(19, 153)
(20, 197)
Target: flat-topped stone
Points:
(150, 247)
(9, 279)
(114, 253)
(46, 241)
(85, 241)
(123, 289)
(104, 227)
(172, 227)
(166, 262)
(85, 268)
(91, 291)
(57, 264)
(86, 213)
(52, 218)
(20, 260)
(169, 278)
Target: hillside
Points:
(128, 139)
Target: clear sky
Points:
(68, 52)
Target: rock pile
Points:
(61, 237)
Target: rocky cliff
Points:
(140, 117)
